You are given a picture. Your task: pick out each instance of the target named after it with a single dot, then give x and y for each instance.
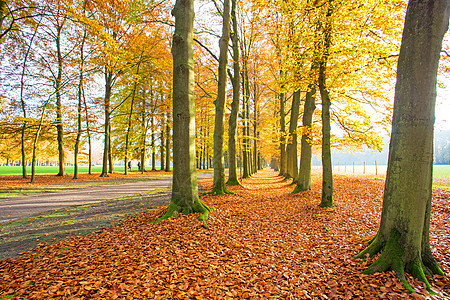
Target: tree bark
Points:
(327, 168)
(161, 149)
(283, 136)
(79, 106)
(184, 187)
(291, 149)
(107, 108)
(232, 121)
(167, 169)
(22, 100)
(304, 174)
(58, 87)
(219, 187)
(403, 236)
(153, 143)
(130, 116)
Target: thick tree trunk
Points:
(232, 122)
(304, 173)
(403, 236)
(184, 187)
(291, 149)
(219, 187)
(283, 159)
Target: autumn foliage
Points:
(263, 242)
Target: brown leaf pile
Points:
(262, 243)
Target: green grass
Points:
(442, 171)
(53, 170)
(17, 170)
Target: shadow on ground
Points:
(49, 227)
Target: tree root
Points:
(300, 188)
(173, 210)
(392, 258)
(234, 182)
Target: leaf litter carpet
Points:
(263, 242)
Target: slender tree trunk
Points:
(162, 144)
(219, 187)
(88, 131)
(167, 169)
(130, 116)
(184, 187)
(304, 174)
(153, 143)
(283, 160)
(327, 168)
(79, 107)
(107, 108)
(291, 149)
(58, 87)
(110, 154)
(22, 100)
(144, 134)
(403, 236)
(232, 121)
(36, 138)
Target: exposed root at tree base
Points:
(234, 182)
(173, 210)
(300, 188)
(392, 258)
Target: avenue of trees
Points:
(238, 84)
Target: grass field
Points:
(17, 170)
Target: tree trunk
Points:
(327, 168)
(162, 145)
(110, 155)
(143, 135)
(232, 121)
(107, 108)
(22, 100)
(219, 187)
(283, 159)
(184, 187)
(153, 143)
(403, 236)
(88, 131)
(36, 138)
(79, 106)
(130, 116)
(58, 86)
(291, 149)
(167, 169)
(304, 174)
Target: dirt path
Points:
(27, 221)
(19, 207)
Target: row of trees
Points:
(404, 241)
(283, 55)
